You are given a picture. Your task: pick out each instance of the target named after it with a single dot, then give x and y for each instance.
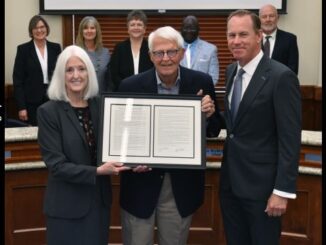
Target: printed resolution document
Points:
(131, 130)
(174, 131)
(154, 131)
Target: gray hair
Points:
(57, 88)
(137, 15)
(166, 32)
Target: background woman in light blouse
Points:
(33, 68)
(131, 56)
(89, 37)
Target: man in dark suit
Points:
(283, 45)
(262, 146)
(166, 198)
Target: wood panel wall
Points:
(311, 105)
(213, 30)
(114, 30)
(25, 221)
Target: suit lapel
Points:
(51, 56)
(257, 82)
(129, 62)
(195, 53)
(232, 71)
(34, 56)
(277, 45)
(149, 84)
(185, 82)
(94, 107)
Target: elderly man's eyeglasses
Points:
(159, 54)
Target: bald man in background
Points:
(203, 55)
(283, 45)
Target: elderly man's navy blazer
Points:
(140, 191)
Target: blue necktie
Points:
(236, 95)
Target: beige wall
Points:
(17, 16)
(303, 19)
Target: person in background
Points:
(33, 68)
(262, 146)
(166, 198)
(200, 55)
(78, 195)
(89, 37)
(283, 45)
(131, 56)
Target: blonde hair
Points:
(85, 22)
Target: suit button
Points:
(231, 136)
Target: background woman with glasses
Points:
(131, 56)
(33, 68)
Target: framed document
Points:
(165, 131)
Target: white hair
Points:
(57, 88)
(166, 32)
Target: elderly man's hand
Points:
(207, 104)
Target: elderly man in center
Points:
(165, 197)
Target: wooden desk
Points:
(26, 178)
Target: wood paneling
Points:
(11, 110)
(22, 152)
(310, 97)
(318, 108)
(213, 29)
(25, 222)
(24, 219)
(114, 30)
(302, 221)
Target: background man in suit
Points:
(261, 150)
(165, 197)
(33, 68)
(202, 54)
(283, 45)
